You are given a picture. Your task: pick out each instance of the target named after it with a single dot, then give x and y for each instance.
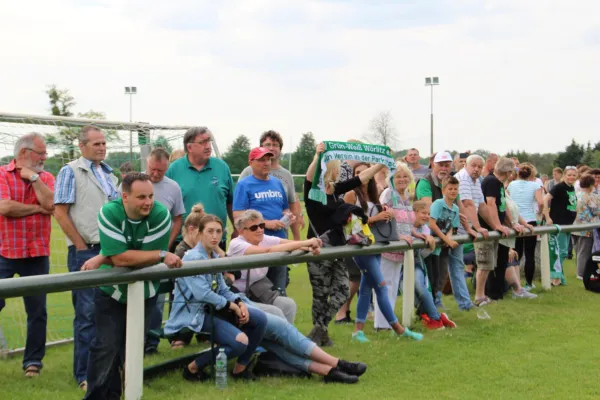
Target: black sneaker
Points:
(245, 375)
(199, 376)
(352, 368)
(335, 375)
(348, 318)
(342, 321)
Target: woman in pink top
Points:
(252, 240)
(391, 263)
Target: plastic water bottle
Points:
(286, 220)
(221, 370)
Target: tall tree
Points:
(572, 155)
(163, 142)
(61, 101)
(304, 153)
(236, 155)
(382, 130)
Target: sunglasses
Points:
(253, 228)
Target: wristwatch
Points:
(34, 178)
(162, 255)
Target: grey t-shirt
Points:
(420, 172)
(283, 175)
(168, 193)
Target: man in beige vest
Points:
(83, 186)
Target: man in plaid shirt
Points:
(26, 203)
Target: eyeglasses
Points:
(39, 153)
(203, 142)
(253, 228)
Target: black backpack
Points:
(268, 364)
(591, 275)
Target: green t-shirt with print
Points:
(118, 234)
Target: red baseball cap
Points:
(259, 152)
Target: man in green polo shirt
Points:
(202, 178)
(134, 232)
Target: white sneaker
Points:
(523, 294)
(580, 277)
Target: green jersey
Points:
(119, 234)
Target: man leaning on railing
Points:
(134, 233)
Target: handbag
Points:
(261, 291)
(383, 231)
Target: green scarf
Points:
(368, 153)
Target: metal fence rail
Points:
(17, 287)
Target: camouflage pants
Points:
(329, 281)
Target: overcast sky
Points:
(514, 74)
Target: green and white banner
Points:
(368, 153)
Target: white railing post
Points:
(134, 342)
(408, 288)
(545, 262)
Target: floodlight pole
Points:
(130, 90)
(431, 81)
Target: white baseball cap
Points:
(442, 156)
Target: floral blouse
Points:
(588, 209)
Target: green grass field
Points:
(530, 349)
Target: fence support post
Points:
(545, 262)
(134, 342)
(408, 288)
(3, 346)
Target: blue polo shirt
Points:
(212, 186)
(266, 196)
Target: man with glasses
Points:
(267, 195)
(83, 186)
(202, 178)
(272, 141)
(26, 203)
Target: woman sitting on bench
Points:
(237, 329)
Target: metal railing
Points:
(17, 287)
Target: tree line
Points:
(380, 130)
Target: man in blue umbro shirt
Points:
(266, 194)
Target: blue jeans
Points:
(225, 334)
(35, 306)
(107, 352)
(283, 339)
(456, 269)
(84, 329)
(372, 279)
(423, 298)
(279, 277)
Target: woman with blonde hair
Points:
(366, 197)
(328, 278)
(391, 263)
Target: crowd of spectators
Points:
(177, 210)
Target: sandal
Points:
(32, 371)
(179, 344)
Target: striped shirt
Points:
(65, 183)
(29, 236)
(119, 234)
(468, 189)
(523, 194)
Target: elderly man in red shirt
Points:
(26, 203)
